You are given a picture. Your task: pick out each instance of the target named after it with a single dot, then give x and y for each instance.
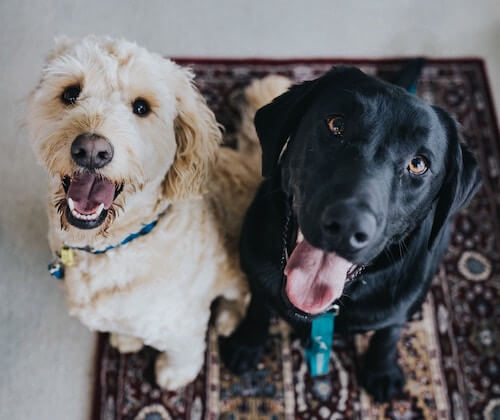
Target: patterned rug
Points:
(450, 351)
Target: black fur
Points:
(361, 175)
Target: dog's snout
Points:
(350, 227)
(91, 151)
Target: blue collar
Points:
(66, 257)
(144, 231)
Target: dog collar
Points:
(66, 258)
(321, 338)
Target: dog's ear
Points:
(462, 178)
(276, 121)
(198, 137)
(62, 43)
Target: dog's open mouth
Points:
(316, 278)
(89, 197)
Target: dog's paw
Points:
(171, 377)
(239, 357)
(383, 384)
(227, 321)
(125, 343)
(262, 91)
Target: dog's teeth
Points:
(80, 216)
(300, 237)
(99, 209)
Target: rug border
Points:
(96, 393)
(320, 60)
(489, 94)
(101, 337)
(355, 60)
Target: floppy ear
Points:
(275, 122)
(462, 179)
(198, 137)
(62, 43)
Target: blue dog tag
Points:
(56, 269)
(318, 353)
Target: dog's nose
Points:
(91, 151)
(350, 227)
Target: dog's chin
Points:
(292, 312)
(85, 224)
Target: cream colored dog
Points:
(131, 148)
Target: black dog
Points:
(360, 177)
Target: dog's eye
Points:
(70, 94)
(141, 107)
(336, 125)
(418, 165)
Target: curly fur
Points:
(158, 289)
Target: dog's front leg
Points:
(125, 343)
(228, 315)
(176, 367)
(241, 351)
(382, 376)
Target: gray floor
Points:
(46, 362)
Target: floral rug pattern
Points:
(450, 352)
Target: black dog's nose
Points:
(351, 227)
(91, 151)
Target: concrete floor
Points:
(46, 365)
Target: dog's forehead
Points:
(379, 113)
(83, 60)
(105, 65)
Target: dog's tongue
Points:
(88, 191)
(315, 278)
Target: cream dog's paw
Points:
(257, 94)
(125, 343)
(227, 320)
(260, 92)
(170, 376)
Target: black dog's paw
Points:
(239, 357)
(383, 384)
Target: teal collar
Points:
(318, 352)
(65, 257)
(144, 231)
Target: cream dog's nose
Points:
(91, 151)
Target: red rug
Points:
(450, 351)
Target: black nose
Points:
(91, 151)
(350, 227)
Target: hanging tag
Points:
(67, 256)
(56, 269)
(318, 353)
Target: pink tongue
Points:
(315, 278)
(88, 191)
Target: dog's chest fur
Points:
(147, 287)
